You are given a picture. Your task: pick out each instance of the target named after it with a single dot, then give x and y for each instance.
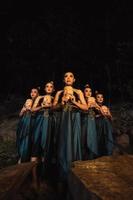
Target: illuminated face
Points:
(87, 92)
(99, 98)
(69, 78)
(34, 93)
(49, 88)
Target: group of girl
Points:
(72, 125)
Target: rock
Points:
(123, 140)
(106, 178)
(8, 129)
(12, 178)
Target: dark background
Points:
(40, 42)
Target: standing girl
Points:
(41, 124)
(69, 138)
(89, 133)
(104, 127)
(42, 133)
(24, 129)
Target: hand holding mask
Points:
(67, 94)
(47, 101)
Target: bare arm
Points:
(37, 105)
(40, 107)
(109, 115)
(23, 110)
(92, 103)
(82, 104)
(36, 109)
(56, 99)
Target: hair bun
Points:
(87, 86)
(38, 87)
(96, 92)
(52, 82)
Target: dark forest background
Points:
(40, 42)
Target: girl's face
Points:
(34, 93)
(69, 78)
(49, 88)
(87, 92)
(99, 98)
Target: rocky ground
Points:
(106, 178)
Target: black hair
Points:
(36, 88)
(97, 93)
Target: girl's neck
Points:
(33, 98)
(100, 104)
(69, 85)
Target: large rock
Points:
(106, 178)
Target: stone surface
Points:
(12, 178)
(106, 178)
(8, 129)
(16, 183)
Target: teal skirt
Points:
(105, 136)
(89, 137)
(69, 145)
(55, 135)
(40, 133)
(24, 135)
(51, 153)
